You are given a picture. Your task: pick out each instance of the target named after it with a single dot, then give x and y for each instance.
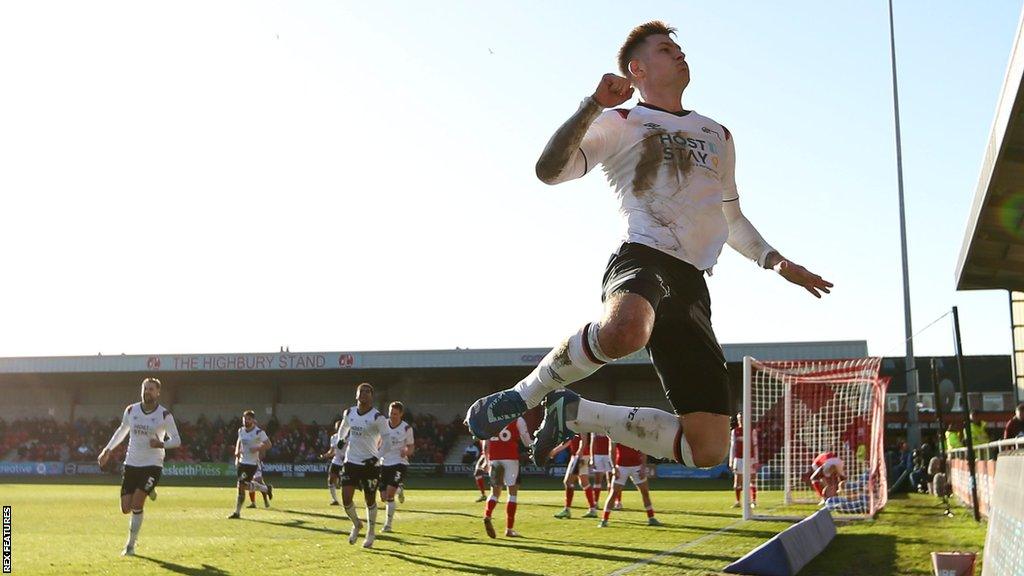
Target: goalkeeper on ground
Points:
(827, 475)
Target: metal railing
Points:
(986, 456)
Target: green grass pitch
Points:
(77, 528)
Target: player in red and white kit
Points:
(502, 453)
(736, 462)
(828, 475)
(577, 470)
(630, 464)
(601, 464)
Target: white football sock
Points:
(573, 360)
(648, 430)
(391, 510)
(134, 525)
(334, 495)
(371, 517)
(238, 502)
(350, 510)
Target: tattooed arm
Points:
(563, 158)
(563, 154)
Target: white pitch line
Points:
(678, 548)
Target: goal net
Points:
(799, 417)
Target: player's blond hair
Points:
(638, 36)
(153, 380)
(397, 404)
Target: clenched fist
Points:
(613, 90)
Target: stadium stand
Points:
(204, 440)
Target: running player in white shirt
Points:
(150, 430)
(673, 171)
(397, 444)
(251, 444)
(336, 452)
(364, 425)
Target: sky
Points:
(210, 177)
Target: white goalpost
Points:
(798, 412)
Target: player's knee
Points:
(707, 435)
(622, 336)
(706, 455)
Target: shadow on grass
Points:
(735, 515)
(362, 509)
(452, 565)
(204, 570)
(300, 524)
(315, 514)
(303, 525)
(440, 512)
(615, 555)
(397, 538)
(673, 527)
(856, 554)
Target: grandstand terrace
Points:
(315, 386)
(67, 406)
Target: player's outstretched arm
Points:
(563, 159)
(746, 240)
(798, 275)
(119, 435)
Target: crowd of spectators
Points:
(203, 440)
(433, 439)
(44, 439)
